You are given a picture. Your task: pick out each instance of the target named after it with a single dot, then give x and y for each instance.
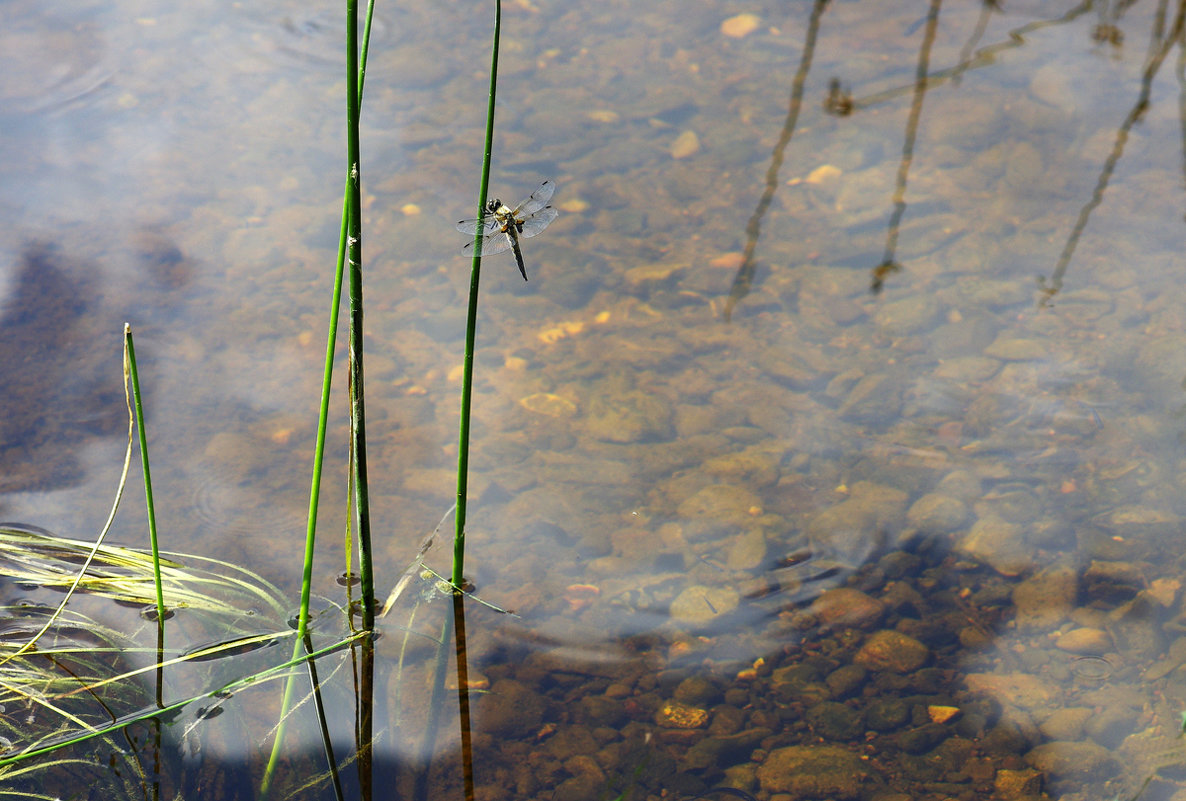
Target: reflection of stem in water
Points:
(888, 265)
(986, 9)
(320, 706)
(467, 749)
(983, 57)
(1152, 66)
(434, 710)
(1182, 103)
(745, 273)
(1158, 24)
(365, 721)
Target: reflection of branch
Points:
(745, 273)
(1152, 66)
(986, 9)
(467, 748)
(984, 56)
(1182, 102)
(888, 265)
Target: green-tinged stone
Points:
(812, 771)
(702, 604)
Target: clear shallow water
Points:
(660, 493)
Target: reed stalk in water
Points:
(134, 375)
(349, 244)
(471, 322)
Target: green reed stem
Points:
(152, 536)
(357, 407)
(471, 323)
(356, 75)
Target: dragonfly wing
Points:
(537, 200)
(490, 245)
(538, 221)
(489, 225)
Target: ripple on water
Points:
(45, 62)
(227, 507)
(311, 36)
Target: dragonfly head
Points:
(493, 205)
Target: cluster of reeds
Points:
(70, 678)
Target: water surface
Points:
(843, 296)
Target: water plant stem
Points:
(354, 242)
(152, 534)
(356, 74)
(471, 323)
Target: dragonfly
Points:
(501, 227)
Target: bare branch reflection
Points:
(1051, 287)
(745, 274)
(888, 264)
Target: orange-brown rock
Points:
(892, 651)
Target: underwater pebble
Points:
(675, 715)
(1113, 724)
(696, 691)
(937, 514)
(1017, 349)
(701, 604)
(874, 400)
(652, 273)
(843, 606)
(846, 680)
(1164, 591)
(747, 551)
(716, 750)
(1015, 785)
(823, 174)
(740, 25)
(511, 709)
(1084, 641)
(1010, 505)
(910, 315)
(999, 544)
(546, 403)
(835, 721)
(939, 713)
(628, 417)
(1045, 599)
(812, 771)
(1066, 724)
(892, 651)
(721, 502)
(1139, 521)
(1073, 764)
(966, 369)
(686, 144)
(1022, 690)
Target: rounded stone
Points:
(675, 715)
(702, 604)
(835, 721)
(696, 691)
(812, 771)
(510, 710)
(999, 544)
(909, 315)
(1085, 641)
(844, 606)
(1066, 724)
(1073, 764)
(1014, 785)
(937, 514)
(892, 651)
